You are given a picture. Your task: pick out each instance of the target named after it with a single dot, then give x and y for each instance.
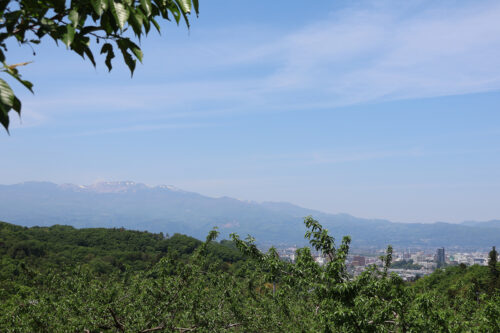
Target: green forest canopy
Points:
(113, 280)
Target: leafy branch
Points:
(78, 25)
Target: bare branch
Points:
(19, 64)
(157, 328)
(189, 329)
(118, 324)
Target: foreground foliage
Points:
(80, 25)
(196, 292)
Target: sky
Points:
(378, 109)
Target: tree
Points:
(492, 264)
(80, 25)
(194, 293)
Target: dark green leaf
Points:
(135, 20)
(196, 6)
(106, 23)
(147, 24)
(136, 50)
(87, 29)
(146, 6)
(89, 54)
(4, 117)
(97, 5)
(108, 49)
(186, 20)
(17, 105)
(176, 12)
(26, 83)
(157, 26)
(124, 45)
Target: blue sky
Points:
(386, 109)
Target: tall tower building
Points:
(440, 257)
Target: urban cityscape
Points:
(409, 264)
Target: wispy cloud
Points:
(365, 53)
(331, 158)
(362, 55)
(142, 128)
(318, 157)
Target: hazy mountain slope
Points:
(167, 209)
(485, 224)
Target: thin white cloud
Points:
(142, 128)
(367, 53)
(370, 55)
(336, 157)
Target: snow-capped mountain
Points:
(168, 209)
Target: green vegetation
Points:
(103, 250)
(405, 264)
(61, 279)
(80, 24)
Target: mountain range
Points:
(171, 210)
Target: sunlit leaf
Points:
(120, 13)
(68, 37)
(73, 17)
(185, 5)
(6, 94)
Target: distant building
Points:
(321, 260)
(440, 257)
(480, 261)
(358, 261)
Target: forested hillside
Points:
(61, 279)
(102, 250)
